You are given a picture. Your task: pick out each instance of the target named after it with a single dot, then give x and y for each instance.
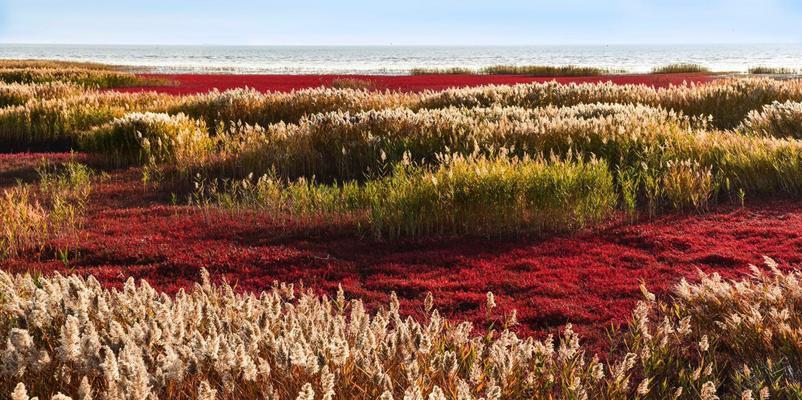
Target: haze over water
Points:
(400, 59)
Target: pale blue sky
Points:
(411, 22)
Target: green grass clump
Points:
(683, 68)
(761, 70)
(474, 195)
(544, 70)
(491, 196)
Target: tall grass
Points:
(491, 196)
(649, 146)
(252, 107)
(55, 64)
(56, 124)
(30, 216)
(544, 70)
(16, 94)
(475, 195)
(780, 120)
(728, 101)
(67, 334)
(762, 70)
(85, 77)
(442, 71)
(657, 143)
(680, 69)
(150, 138)
(345, 146)
(352, 83)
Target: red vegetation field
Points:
(191, 83)
(590, 279)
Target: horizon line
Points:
(404, 45)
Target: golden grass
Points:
(66, 334)
(779, 120)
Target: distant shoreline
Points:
(399, 60)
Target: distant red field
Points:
(195, 83)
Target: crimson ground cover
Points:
(590, 279)
(198, 83)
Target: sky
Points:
(410, 22)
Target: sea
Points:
(392, 60)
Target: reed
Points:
(86, 77)
(56, 124)
(779, 120)
(443, 71)
(762, 70)
(682, 68)
(69, 336)
(474, 195)
(491, 197)
(352, 83)
(252, 107)
(728, 101)
(16, 94)
(648, 145)
(150, 138)
(55, 64)
(545, 70)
